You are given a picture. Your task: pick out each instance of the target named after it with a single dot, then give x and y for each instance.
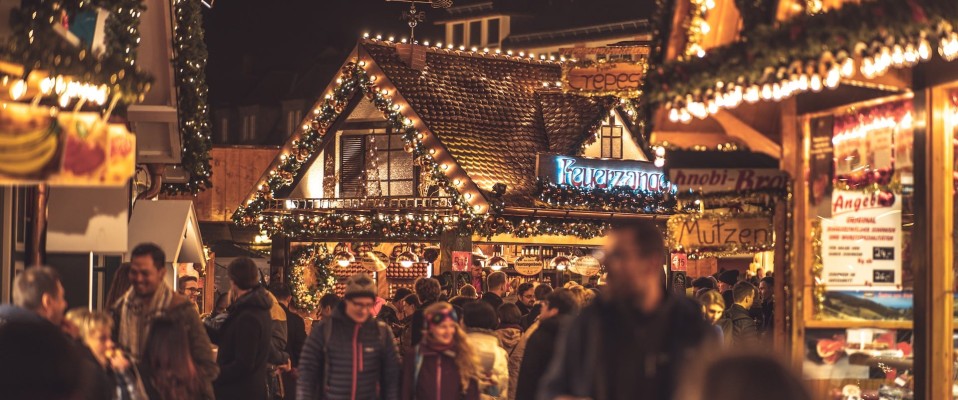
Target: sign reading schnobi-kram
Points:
(728, 179)
(589, 173)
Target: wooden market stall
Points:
(861, 100)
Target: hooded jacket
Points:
(438, 377)
(359, 361)
(493, 363)
(245, 342)
(509, 338)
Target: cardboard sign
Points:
(528, 266)
(728, 179)
(862, 242)
(601, 173)
(706, 231)
(461, 261)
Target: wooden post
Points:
(36, 245)
(799, 258)
(933, 247)
(780, 222)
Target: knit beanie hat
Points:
(728, 277)
(360, 285)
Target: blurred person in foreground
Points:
(350, 355)
(169, 372)
(480, 321)
(296, 336)
(149, 298)
(634, 340)
(536, 348)
(444, 366)
(510, 335)
(39, 361)
(246, 337)
(116, 377)
(744, 377)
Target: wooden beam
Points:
(799, 258)
(756, 140)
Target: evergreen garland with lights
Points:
(306, 295)
(193, 111)
(35, 45)
(618, 199)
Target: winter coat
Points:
(346, 360)
(493, 363)
(295, 335)
(438, 377)
(740, 330)
(493, 299)
(245, 342)
(417, 324)
(523, 308)
(614, 351)
(537, 354)
(531, 317)
(509, 338)
(183, 313)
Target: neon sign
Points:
(602, 174)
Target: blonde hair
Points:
(88, 322)
(710, 297)
(466, 358)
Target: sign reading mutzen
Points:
(591, 173)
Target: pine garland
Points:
(317, 257)
(193, 110)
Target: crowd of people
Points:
(629, 339)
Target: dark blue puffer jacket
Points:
(361, 359)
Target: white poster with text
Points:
(861, 243)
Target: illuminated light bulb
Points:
(911, 55)
(522, 54)
(432, 151)
(848, 67)
(833, 78)
(425, 43)
(498, 51)
(659, 162)
(366, 35)
(713, 107)
(685, 116)
(450, 46)
(674, 115)
(462, 48)
(445, 167)
(438, 44)
(403, 40)
(815, 83)
(392, 39)
(468, 196)
(379, 37)
(362, 63)
(64, 100)
(509, 52)
(767, 91)
(18, 89)
(46, 85)
(457, 182)
(305, 127)
(316, 111)
(477, 208)
(752, 94)
(924, 49)
(705, 28)
(898, 56)
(776, 92)
(660, 151)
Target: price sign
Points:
(528, 266)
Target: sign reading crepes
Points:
(603, 71)
(720, 233)
(728, 179)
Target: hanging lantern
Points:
(407, 258)
(561, 263)
(342, 256)
(497, 263)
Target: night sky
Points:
(247, 39)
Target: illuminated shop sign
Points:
(601, 173)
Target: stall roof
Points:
(172, 225)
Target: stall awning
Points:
(173, 226)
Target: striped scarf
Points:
(136, 314)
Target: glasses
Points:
(440, 316)
(362, 305)
(191, 290)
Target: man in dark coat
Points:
(351, 355)
(634, 340)
(744, 331)
(541, 291)
(245, 337)
(428, 291)
(495, 289)
(295, 336)
(525, 297)
(557, 309)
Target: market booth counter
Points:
(865, 99)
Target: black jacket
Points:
(530, 318)
(244, 341)
(538, 354)
(613, 351)
(295, 334)
(494, 299)
(374, 374)
(740, 328)
(417, 324)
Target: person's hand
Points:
(285, 367)
(118, 361)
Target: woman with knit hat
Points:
(443, 365)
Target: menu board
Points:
(862, 242)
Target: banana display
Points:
(71, 148)
(29, 142)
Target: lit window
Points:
(611, 139)
(377, 157)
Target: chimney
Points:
(413, 55)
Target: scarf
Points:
(136, 314)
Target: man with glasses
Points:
(189, 286)
(350, 355)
